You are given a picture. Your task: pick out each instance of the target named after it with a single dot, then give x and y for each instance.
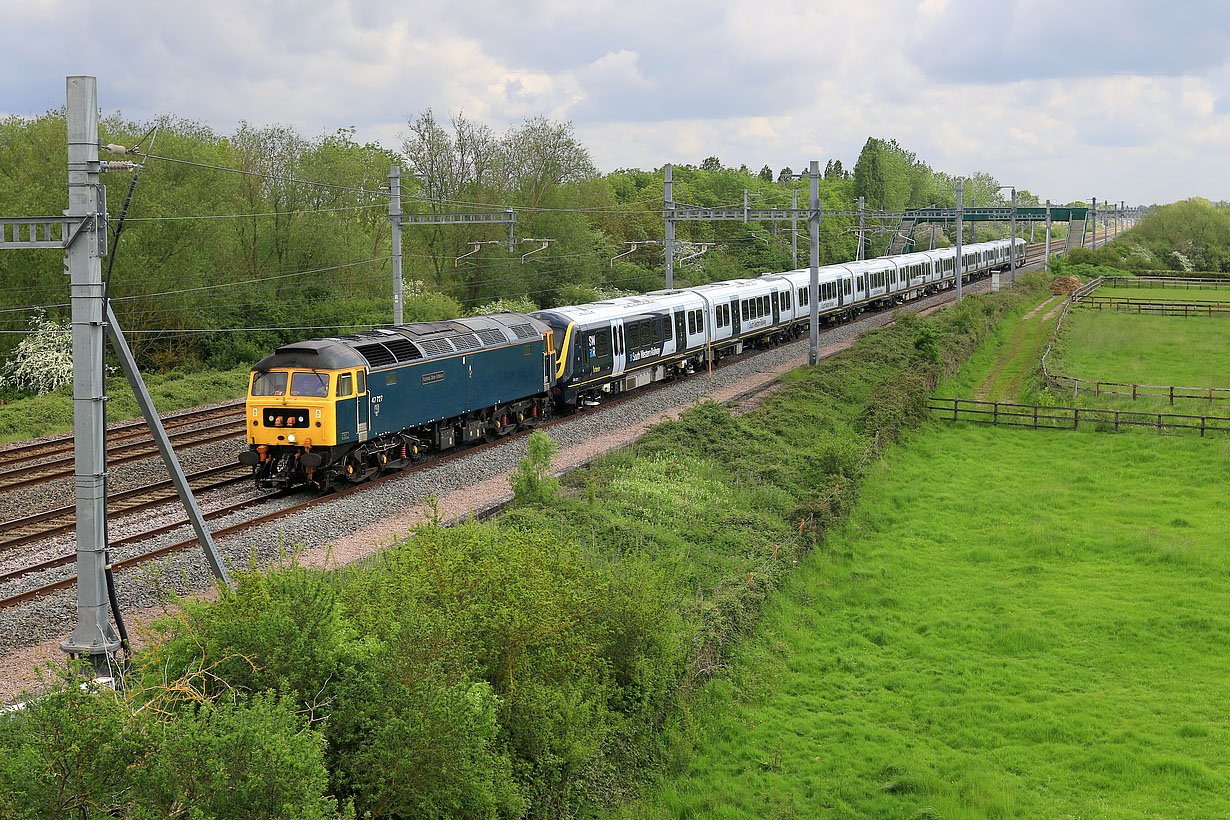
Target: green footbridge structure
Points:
(1077, 219)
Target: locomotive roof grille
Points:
(403, 349)
(436, 347)
(524, 331)
(377, 355)
(492, 336)
(467, 342)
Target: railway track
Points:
(132, 444)
(238, 506)
(48, 523)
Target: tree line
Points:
(235, 243)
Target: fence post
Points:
(1172, 395)
(1203, 419)
(954, 409)
(1159, 424)
(1076, 417)
(1116, 421)
(1134, 392)
(995, 416)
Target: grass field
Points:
(1166, 294)
(1146, 349)
(1011, 624)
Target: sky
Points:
(1123, 101)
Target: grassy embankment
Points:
(1012, 623)
(53, 414)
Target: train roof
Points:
(398, 344)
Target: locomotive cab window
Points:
(269, 384)
(361, 381)
(310, 385)
(344, 385)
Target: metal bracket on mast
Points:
(543, 247)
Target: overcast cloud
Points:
(1129, 100)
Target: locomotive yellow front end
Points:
(292, 423)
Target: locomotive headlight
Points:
(290, 438)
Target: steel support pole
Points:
(1012, 255)
(668, 214)
(960, 219)
(794, 228)
(862, 229)
(1093, 218)
(813, 287)
(1047, 255)
(93, 637)
(129, 365)
(395, 221)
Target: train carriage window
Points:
(764, 304)
(649, 332)
(667, 332)
(602, 344)
(633, 335)
(744, 309)
(700, 321)
(344, 385)
(269, 384)
(691, 323)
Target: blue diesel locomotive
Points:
(335, 411)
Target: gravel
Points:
(34, 625)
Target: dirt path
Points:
(1018, 355)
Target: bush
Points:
(532, 482)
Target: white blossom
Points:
(43, 360)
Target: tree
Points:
(43, 360)
(711, 164)
(766, 174)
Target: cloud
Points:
(1051, 96)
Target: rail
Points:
(1045, 417)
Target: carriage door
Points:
(777, 315)
(736, 320)
(361, 405)
(619, 354)
(681, 339)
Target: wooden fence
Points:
(1138, 391)
(1177, 282)
(1038, 416)
(1192, 307)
